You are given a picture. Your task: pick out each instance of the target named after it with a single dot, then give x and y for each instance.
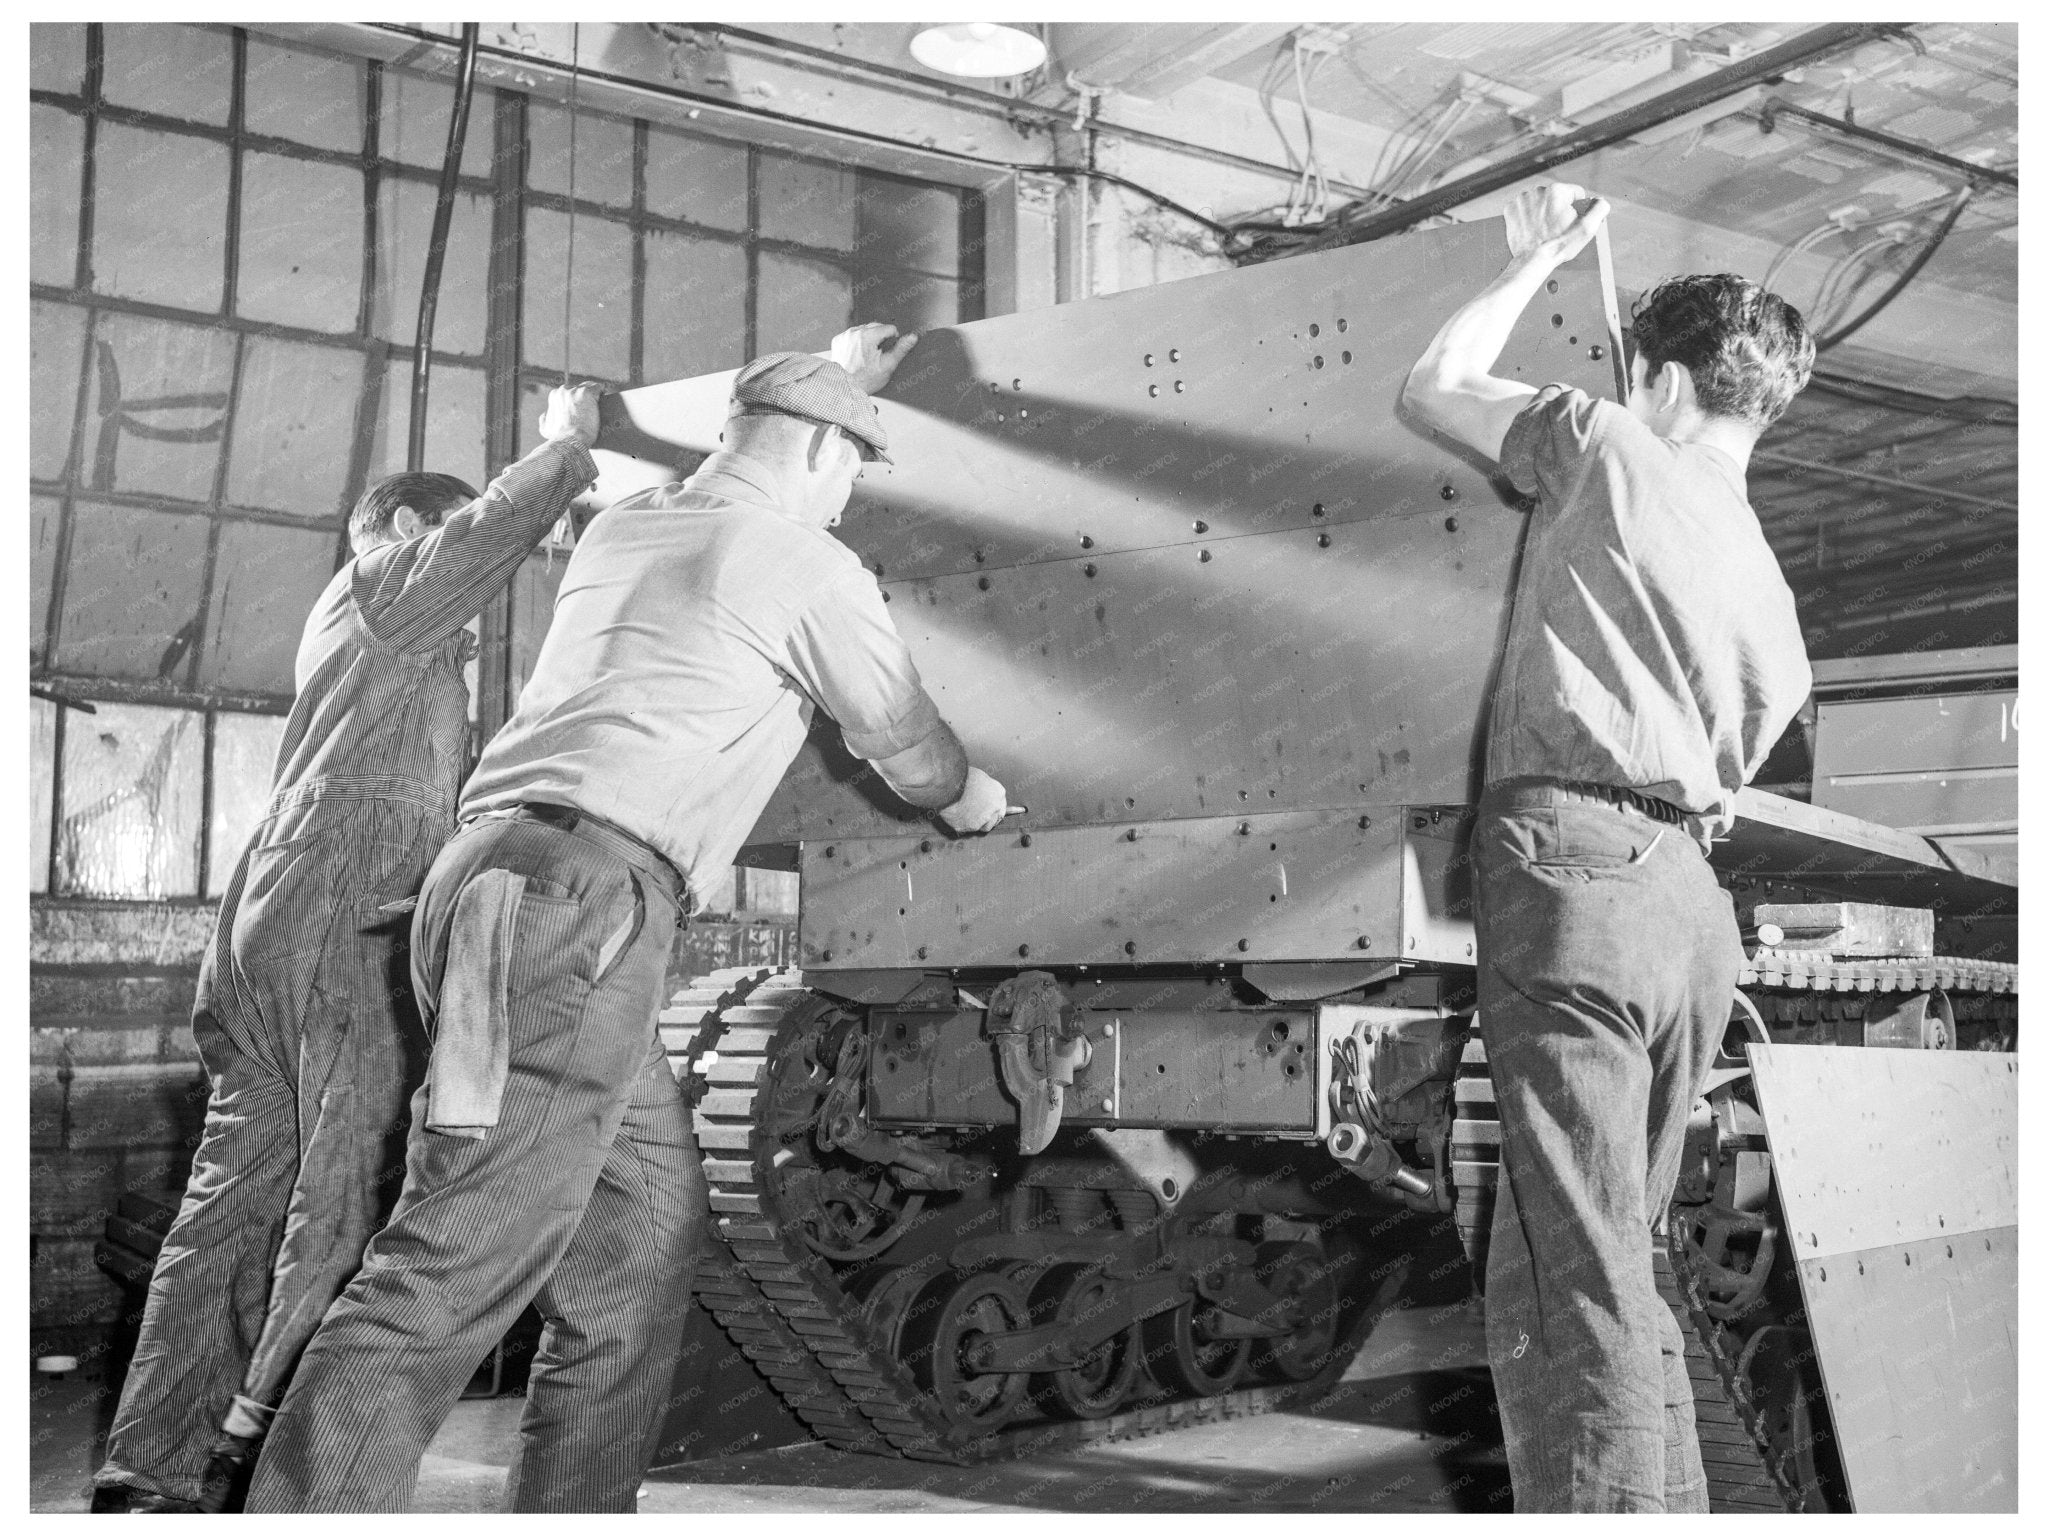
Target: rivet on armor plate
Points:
(1088, 570)
(1131, 948)
(1244, 829)
(1205, 556)
(1023, 950)
(1109, 1106)
(925, 846)
(1131, 836)
(1087, 542)
(1365, 823)
(1449, 493)
(1364, 941)
(1173, 354)
(1596, 353)
(1024, 840)
(824, 954)
(1200, 526)
(1322, 541)
(830, 849)
(1450, 525)
(983, 583)
(923, 950)
(1152, 389)
(1244, 944)
(1179, 387)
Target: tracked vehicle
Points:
(1105, 1121)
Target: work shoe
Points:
(125, 1499)
(224, 1485)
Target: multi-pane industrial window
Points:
(227, 236)
(141, 800)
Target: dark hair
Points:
(432, 496)
(1747, 350)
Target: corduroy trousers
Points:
(584, 1197)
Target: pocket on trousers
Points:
(472, 1052)
(1588, 838)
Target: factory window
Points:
(226, 239)
(142, 802)
(228, 231)
(691, 254)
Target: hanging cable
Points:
(563, 534)
(569, 258)
(1836, 338)
(437, 251)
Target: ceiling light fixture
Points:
(979, 49)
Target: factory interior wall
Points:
(228, 229)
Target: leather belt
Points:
(1614, 794)
(614, 840)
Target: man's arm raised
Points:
(1452, 387)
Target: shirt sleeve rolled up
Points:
(1550, 445)
(845, 653)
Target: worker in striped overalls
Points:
(304, 1018)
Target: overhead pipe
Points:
(1768, 114)
(1809, 46)
(437, 250)
(1895, 482)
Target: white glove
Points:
(981, 806)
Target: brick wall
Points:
(116, 1096)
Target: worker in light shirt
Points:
(699, 626)
(1653, 659)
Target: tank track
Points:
(784, 1308)
(1746, 1474)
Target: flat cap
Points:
(815, 388)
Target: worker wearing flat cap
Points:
(699, 626)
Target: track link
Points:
(782, 1304)
(1745, 1475)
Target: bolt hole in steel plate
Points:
(1101, 455)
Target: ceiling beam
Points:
(1936, 492)
(1771, 64)
(1151, 61)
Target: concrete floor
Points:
(1412, 1428)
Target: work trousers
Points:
(1608, 959)
(305, 1024)
(585, 1197)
